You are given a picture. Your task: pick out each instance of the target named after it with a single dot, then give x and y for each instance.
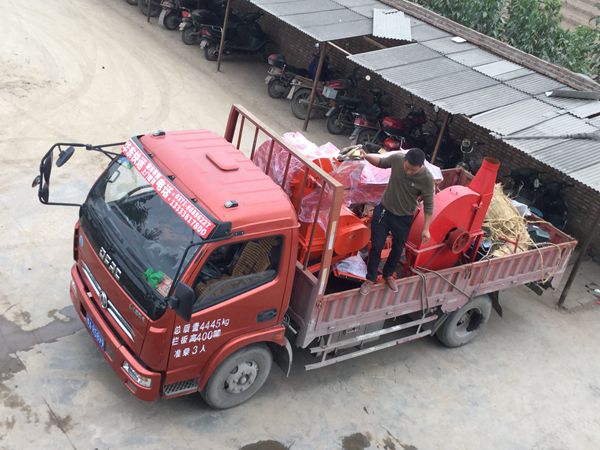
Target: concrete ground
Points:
(88, 71)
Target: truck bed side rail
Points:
(327, 189)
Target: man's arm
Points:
(428, 210)
(376, 160)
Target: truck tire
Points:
(239, 377)
(464, 324)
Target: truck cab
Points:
(184, 216)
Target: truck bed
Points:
(317, 313)
(449, 289)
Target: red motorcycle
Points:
(324, 97)
(374, 129)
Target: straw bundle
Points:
(506, 225)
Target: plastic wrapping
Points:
(354, 265)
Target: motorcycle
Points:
(171, 14)
(340, 117)
(326, 93)
(152, 11)
(192, 21)
(244, 36)
(374, 126)
(546, 200)
(281, 75)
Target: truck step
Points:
(180, 388)
(358, 339)
(364, 351)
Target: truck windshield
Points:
(141, 232)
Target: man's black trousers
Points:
(384, 222)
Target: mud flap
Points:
(283, 356)
(495, 296)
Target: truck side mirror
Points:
(182, 301)
(64, 156)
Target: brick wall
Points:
(299, 48)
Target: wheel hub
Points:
(241, 377)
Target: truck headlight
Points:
(139, 379)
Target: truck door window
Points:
(233, 269)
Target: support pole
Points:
(439, 138)
(223, 31)
(582, 252)
(322, 52)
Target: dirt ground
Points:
(96, 72)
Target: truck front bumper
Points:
(111, 347)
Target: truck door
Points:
(239, 288)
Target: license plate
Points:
(182, 26)
(269, 78)
(203, 43)
(292, 90)
(95, 332)
(329, 93)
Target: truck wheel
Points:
(211, 52)
(464, 324)
(239, 377)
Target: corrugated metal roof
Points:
(474, 57)
(426, 32)
(514, 74)
(534, 84)
(447, 46)
(595, 121)
(563, 102)
(561, 125)
(391, 24)
(588, 110)
(590, 176)
(481, 100)
(497, 68)
(449, 85)
(517, 116)
(419, 71)
(393, 56)
(323, 20)
(571, 156)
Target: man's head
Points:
(413, 161)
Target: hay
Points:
(506, 226)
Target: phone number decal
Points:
(178, 202)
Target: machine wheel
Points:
(276, 89)
(211, 52)
(368, 136)
(190, 37)
(172, 21)
(464, 324)
(300, 104)
(239, 377)
(335, 125)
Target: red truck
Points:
(194, 271)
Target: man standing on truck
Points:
(409, 180)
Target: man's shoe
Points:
(365, 288)
(391, 283)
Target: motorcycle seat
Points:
(352, 101)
